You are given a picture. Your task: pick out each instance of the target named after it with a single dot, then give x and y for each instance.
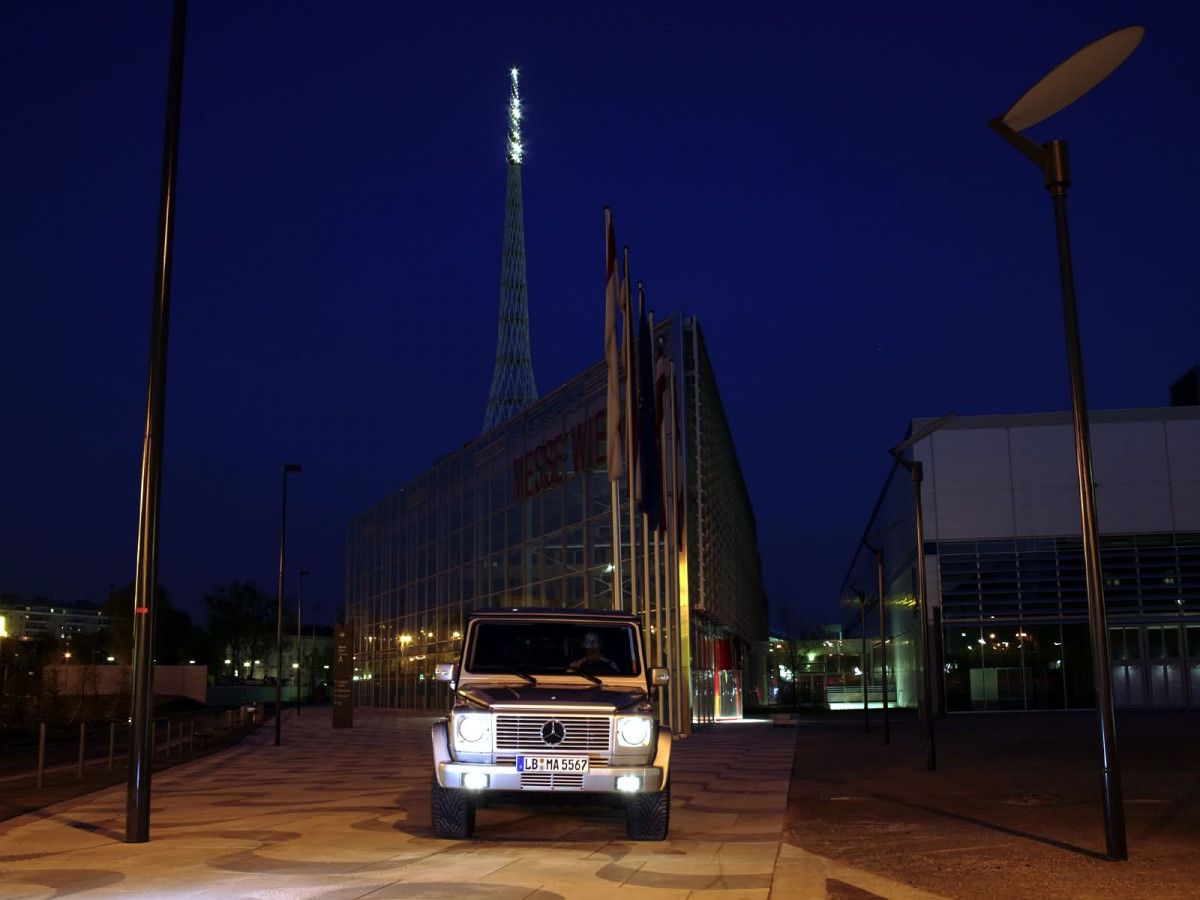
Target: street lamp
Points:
(287, 470)
(1065, 84)
(299, 655)
(917, 471)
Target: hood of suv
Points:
(528, 696)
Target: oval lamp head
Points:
(1073, 77)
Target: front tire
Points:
(648, 816)
(453, 813)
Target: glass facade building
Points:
(523, 517)
(1007, 597)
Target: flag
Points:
(616, 457)
(660, 408)
(627, 342)
(649, 465)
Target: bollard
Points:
(41, 752)
(153, 740)
(82, 743)
(168, 737)
(192, 736)
(112, 740)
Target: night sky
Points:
(821, 191)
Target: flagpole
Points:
(644, 477)
(618, 599)
(627, 356)
(672, 569)
(612, 402)
(660, 441)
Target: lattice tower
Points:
(513, 387)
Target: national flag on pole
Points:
(616, 457)
(627, 357)
(648, 462)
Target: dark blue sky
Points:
(822, 191)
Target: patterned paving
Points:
(341, 815)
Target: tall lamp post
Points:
(1065, 84)
(141, 714)
(287, 470)
(299, 655)
(918, 473)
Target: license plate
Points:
(553, 764)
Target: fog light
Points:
(475, 780)
(629, 783)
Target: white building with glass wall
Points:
(1004, 560)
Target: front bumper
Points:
(450, 772)
(507, 778)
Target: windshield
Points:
(554, 648)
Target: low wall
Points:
(174, 681)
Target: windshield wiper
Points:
(521, 673)
(592, 678)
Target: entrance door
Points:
(1128, 688)
(1165, 666)
(1193, 647)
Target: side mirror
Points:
(659, 675)
(445, 672)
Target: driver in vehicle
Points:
(593, 661)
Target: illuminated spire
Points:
(514, 120)
(513, 386)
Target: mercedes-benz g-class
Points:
(551, 700)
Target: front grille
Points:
(548, 781)
(583, 734)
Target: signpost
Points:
(343, 675)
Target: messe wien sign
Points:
(546, 464)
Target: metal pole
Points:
(41, 769)
(312, 657)
(137, 795)
(865, 667)
(299, 655)
(917, 471)
(617, 597)
(112, 740)
(939, 662)
(279, 606)
(82, 743)
(1057, 180)
(887, 738)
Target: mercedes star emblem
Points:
(553, 733)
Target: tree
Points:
(176, 639)
(241, 621)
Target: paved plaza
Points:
(345, 814)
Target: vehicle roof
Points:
(539, 612)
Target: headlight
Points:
(472, 732)
(633, 731)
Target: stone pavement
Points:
(340, 815)
(1012, 812)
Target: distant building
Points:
(34, 621)
(1004, 563)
